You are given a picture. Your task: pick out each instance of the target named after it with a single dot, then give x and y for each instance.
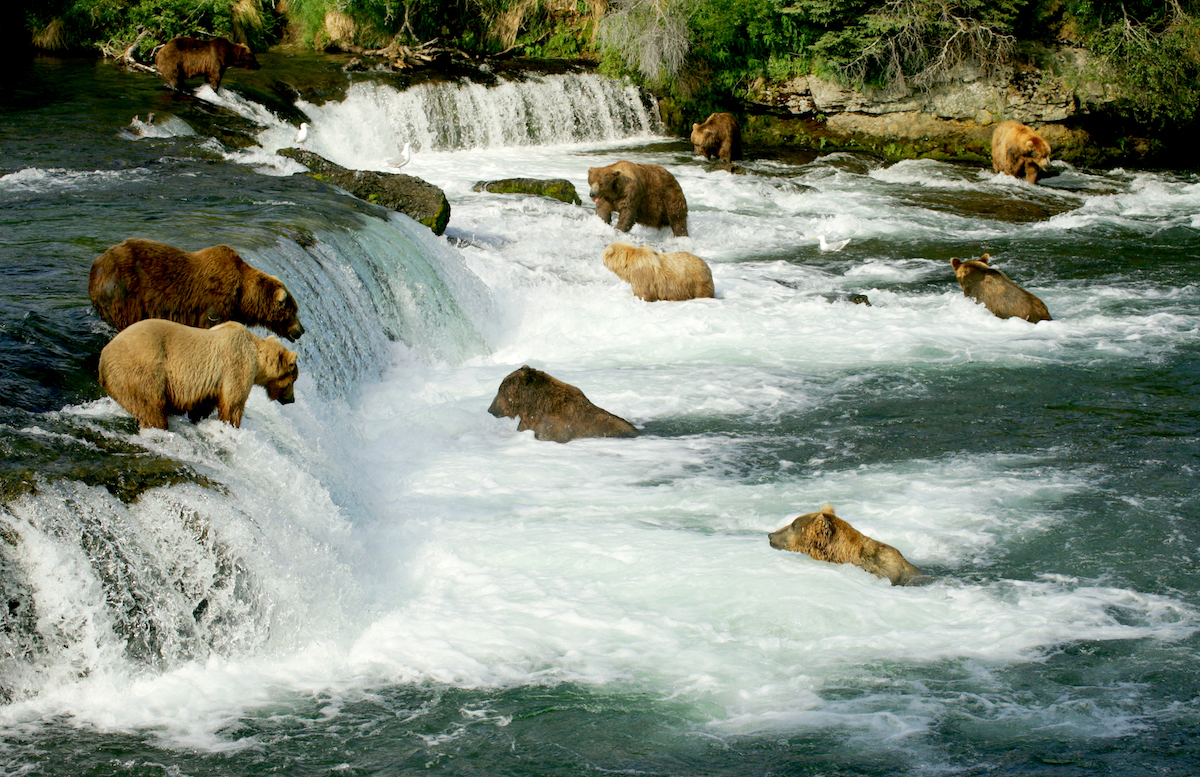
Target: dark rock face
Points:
(555, 188)
(420, 200)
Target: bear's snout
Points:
(779, 539)
(495, 408)
(295, 331)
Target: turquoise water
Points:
(382, 578)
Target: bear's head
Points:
(244, 57)
(965, 269)
(604, 183)
(808, 532)
(277, 370)
(267, 302)
(704, 139)
(522, 391)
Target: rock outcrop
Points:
(420, 200)
(555, 188)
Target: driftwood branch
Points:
(125, 58)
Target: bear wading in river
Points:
(826, 537)
(157, 368)
(140, 279)
(1005, 299)
(719, 136)
(654, 276)
(554, 410)
(182, 58)
(1019, 151)
(641, 194)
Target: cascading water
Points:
(384, 578)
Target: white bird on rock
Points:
(404, 158)
(302, 134)
(836, 245)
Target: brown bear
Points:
(826, 537)
(157, 368)
(984, 283)
(554, 410)
(1019, 151)
(140, 279)
(719, 136)
(641, 194)
(654, 276)
(182, 58)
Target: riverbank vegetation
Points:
(701, 52)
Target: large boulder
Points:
(555, 188)
(420, 200)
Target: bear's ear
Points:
(281, 295)
(985, 258)
(695, 127)
(827, 508)
(955, 262)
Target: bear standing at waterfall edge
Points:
(641, 194)
(158, 368)
(181, 58)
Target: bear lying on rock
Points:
(984, 283)
(156, 368)
(182, 58)
(719, 136)
(641, 194)
(554, 410)
(1019, 151)
(826, 537)
(140, 279)
(654, 276)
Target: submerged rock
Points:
(555, 188)
(420, 200)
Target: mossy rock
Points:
(555, 188)
(417, 199)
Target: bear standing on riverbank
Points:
(554, 410)
(1005, 299)
(140, 279)
(158, 368)
(719, 136)
(654, 276)
(1019, 151)
(182, 58)
(826, 537)
(641, 194)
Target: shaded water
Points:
(383, 578)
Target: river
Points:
(382, 578)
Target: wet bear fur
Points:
(157, 368)
(1019, 151)
(554, 410)
(140, 279)
(641, 194)
(182, 58)
(1005, 299)
(826, 537)
(719, 136)
(654, 276)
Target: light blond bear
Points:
(654, 276)
(826, 537)
(1019, 151)
(157, 368)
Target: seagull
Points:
(836, 245)
(404, 158)
(302, 135)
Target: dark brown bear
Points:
(642, 194)
(996, 291)
(719, 136)
(554, 410)
(182, 58)
(140, 279)
(1019, 151)
(826, 537)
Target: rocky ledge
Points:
(420, 200)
